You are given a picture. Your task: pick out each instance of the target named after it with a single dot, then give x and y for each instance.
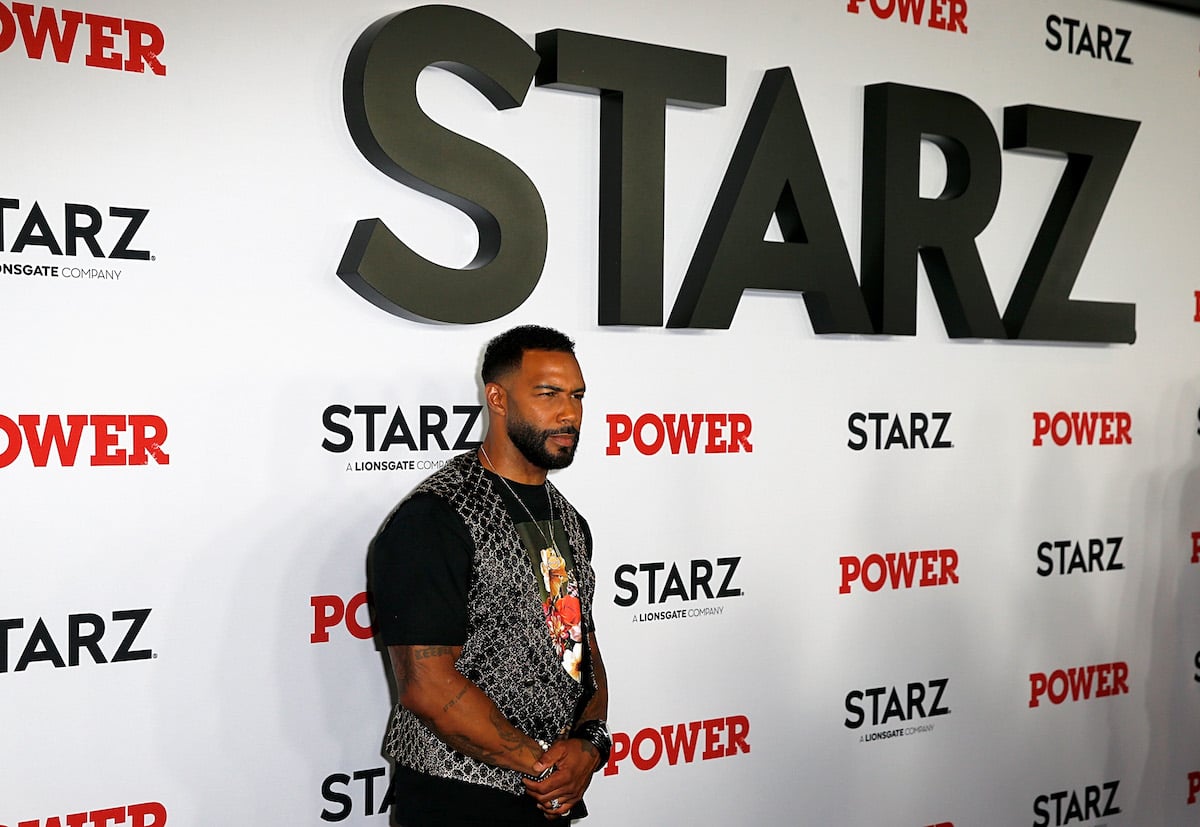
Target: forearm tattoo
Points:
(508, 740)
(456, 698)
(511, 741)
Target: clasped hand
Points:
(573, 760)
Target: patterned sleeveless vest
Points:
(508, 652)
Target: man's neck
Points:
(505, 459)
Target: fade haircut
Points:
(505, 352)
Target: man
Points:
(483, 590)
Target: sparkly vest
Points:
(508, 651)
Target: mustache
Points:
(570, 430)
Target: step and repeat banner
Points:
(888, 311)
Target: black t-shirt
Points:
(422, 560)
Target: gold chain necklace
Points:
(550, 543)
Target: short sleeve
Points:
(421, 572)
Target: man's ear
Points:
(496, 398)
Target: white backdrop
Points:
(236, 332)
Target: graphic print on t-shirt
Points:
(559, 590)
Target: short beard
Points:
(532, 444)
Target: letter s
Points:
(332, 797)
(621, 577)
(1054, 42)
(1039, 809)
(1043, 555)
(855, 424)
(393, 132)
(337, 428)
(855, 710)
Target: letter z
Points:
(136, 217)
(1120, 58)
(1115, 542)
(942, 418)
(731, 564)
(1109, 808)
(937, 708)
(124, 652)
(472, 412)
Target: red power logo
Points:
(147, 434)
(933, 567)
(947, 15)
(1083, 427)
(679, 742)
(1079, 683)
(144, 41)
(150, 814)
(709, 433)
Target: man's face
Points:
(545, 408)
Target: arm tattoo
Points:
(456, 698)
(464, 744)
(431, 652)
(508, 733)
(510, 738)
(498, 750)
(405, 662)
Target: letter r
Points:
(150, 814)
